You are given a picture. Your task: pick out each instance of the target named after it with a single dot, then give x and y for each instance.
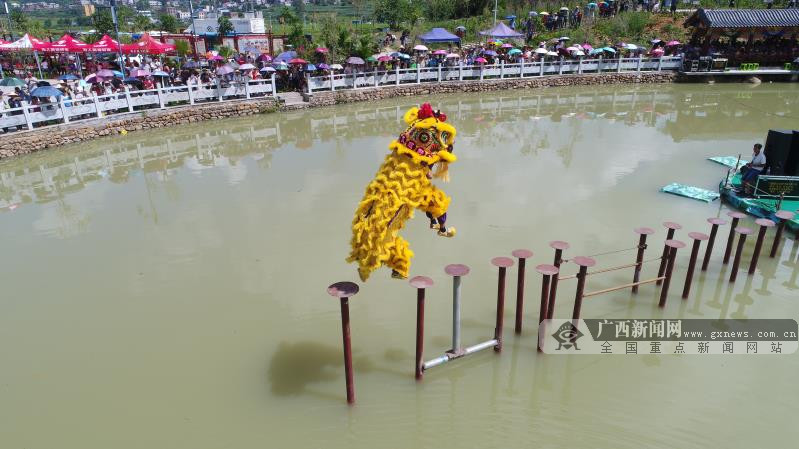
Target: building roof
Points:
(745, 18)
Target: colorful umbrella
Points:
(507, 45)
(321, 50)
(298, 61)
(440, 52)
(480, 60)
(264, 58)
(453, 55)
(672, 43)
(384, 58)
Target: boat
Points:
(777, 189)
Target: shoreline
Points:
(51, 137)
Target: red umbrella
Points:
(321, 50)
(298, 61)
(264, 57)
(384, 58)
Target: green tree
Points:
(225, 27)
(395, 12)
(19, 21)
(287, 16)
(140, 24)
(182, 48)
(299, 7)
(47, 23)
(168, 23)
(296, 36)
(225, 51)
(102, 22)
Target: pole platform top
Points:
(547, 269)
(644, 231)
(421, 282)
(559, 244)
(343, 289)
(502, 262)
(456, 269)
(522, 253)
(743, 230)
(784, 215)
(736, 214)
(698, 236)
(717, 221)
(584, 261)
(765, 222)
(672, 225)
(676, 244)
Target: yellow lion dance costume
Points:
(402, 184)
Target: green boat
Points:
(776, 191)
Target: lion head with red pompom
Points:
(428, 138)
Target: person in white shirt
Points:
(754, 168)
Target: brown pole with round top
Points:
(764, 224)
(639, 258)
(521, 255)
(736, 262)
(420, 283)
(343, 291)
(502, 263)
(559, 246)
(548, 272)
(714, 227)
(736, 217)
(784, 217)
(697, 237)
(664, 258)
(584, 263)
(673, 246)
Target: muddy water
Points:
(167, 289)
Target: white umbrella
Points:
(420, 47)
(552, 53)
(572, 49)
(631, 47)
(336, 67)
(246, 67)
(453, 55)
(541, 51)
(578, 53)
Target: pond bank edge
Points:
(26, 142)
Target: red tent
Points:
(26, 42)
(104, 45)
(67, 44)
(146, 44)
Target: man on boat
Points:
(752, 170)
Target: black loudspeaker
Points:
(792, 166)
(778, 151)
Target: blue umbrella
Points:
(11, 81)
(191, 65)
(130, 80)
(118, 73)
(46, 91)
(68, 77)
(310, 67)
(160, 73)
(490, 53)
(286, 56)
(595, 51)
(609, 50)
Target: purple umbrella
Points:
(324, 66)
(105, 73)
(354, 60)
(490, 53)
(137, 73)
(224, 70)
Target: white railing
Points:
(461, 72)
(72, 110)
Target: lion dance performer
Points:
(402, 184)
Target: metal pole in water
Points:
(698, 237)
(639, 257)
(671, 226)
(503, 263)
(559, 247)
(673, 246)
(784, 216)
(736, 262)
(736, 216)
(456, 271)
(764, 224)
(522, 255)
(420, 283)
(547, 272)
(714, 227)
(584, 263)
(343, 291)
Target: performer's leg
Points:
(399, 259)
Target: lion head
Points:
(428, 138)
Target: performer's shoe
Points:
(434, 224)
(447, 232)
(397, 275)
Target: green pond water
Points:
(166, 289)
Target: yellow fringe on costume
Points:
(400, 186)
